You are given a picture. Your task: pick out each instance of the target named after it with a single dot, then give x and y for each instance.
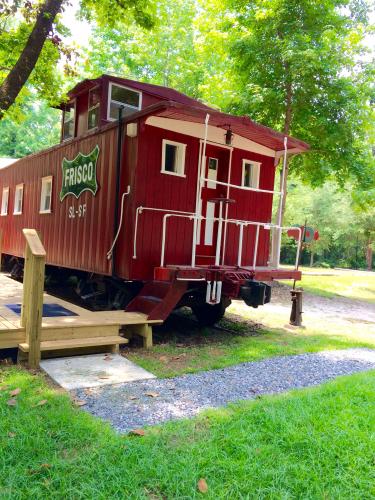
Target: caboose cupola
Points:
(93, 103)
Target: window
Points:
(94, 108)
(173, 158)
(18, 199)
(5, 201)
(69, 121)
(46, 195)
(250, 174)
(122, 96)
(212, 172)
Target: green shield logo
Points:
(79, 174)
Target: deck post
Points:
(33, 287)
(144, 331)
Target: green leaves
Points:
(315, 47)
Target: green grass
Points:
(220, 350)
(317, 444)
(339, 283)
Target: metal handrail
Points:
(244, 188)
(242, 224)
(139, 210)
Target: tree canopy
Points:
(31, 42)
(300, 67)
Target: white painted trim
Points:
(109, 100)
(209, 225)
(256, 164)
(74, 122)
(19, 187)
(181, 153)
(92, 107)
(216, 135)
(42, 195)
(5, 212)
(213, 176)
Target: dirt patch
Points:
(336, 306)
(182, 330)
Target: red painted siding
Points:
(82, 243)
(78, 243)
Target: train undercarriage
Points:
(208, 291)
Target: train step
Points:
(55, 345)
(157, 299)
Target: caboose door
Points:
(216, 169)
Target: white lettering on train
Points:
(77, 175)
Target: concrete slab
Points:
(94, 370)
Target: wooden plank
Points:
(75, 343)
(26, 285)
(11, 341)
(10, 325)
(97, 319)
(79, 332)
(34, 243)
(35, 310)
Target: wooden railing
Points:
(33, 287)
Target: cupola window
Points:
(122, 96)
(94, 108)
(69, 121)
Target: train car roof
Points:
(178, 106)
(240, 125)
(165, 93)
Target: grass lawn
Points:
(186, 348)
(221, 350)
(332, 282)
(317, 443)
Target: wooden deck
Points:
(68, 331)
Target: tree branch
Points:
(19, 74)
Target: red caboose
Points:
(154, 199)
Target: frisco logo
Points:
(79, 174)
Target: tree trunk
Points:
(369, 255)
(19, 74)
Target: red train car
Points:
(153, 200)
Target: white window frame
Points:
(91, 108)
(254, 179)
(45, 181)
(19, 188)
(181, 153)
(5, 206)
(111, 84)
(74, 122)
(212, 174)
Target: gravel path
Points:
(127, 406)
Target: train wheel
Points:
(208, 315)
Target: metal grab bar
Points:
(139, 210)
